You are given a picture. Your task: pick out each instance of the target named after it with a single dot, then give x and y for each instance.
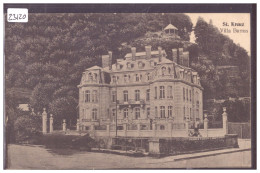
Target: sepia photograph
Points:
(129, 86)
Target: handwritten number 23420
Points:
(17, 16)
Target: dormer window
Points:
(163, 70)
(114, 79)
(141, 64)
(119, 66)
(125, 78)
(90, 77)
(128, 65)
(151, 63)
(137, 78)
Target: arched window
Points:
(163, 70)
(169, 70)
(128, 65)
(148, 94)
(90, 77)
(137, 78)
(87, 96)
(95, 76)
(148, 76)
(94, 114)
(114, 79)
(125, 113)
(125, 95)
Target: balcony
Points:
(131, 103)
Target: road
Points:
(37, 157)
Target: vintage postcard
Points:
(165, 87)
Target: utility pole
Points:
(116, 107)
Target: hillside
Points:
(48, 55)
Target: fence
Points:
(243, 130)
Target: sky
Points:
(242, 37)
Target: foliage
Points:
(48, 54)
(221, 51)
(27, 127)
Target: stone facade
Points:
(143, 90)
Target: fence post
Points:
(64, 125)
(108, 130)
(51, 123)
(187, 126)
(44, 121)
(206, 124)
(225, 121)
(125, 128)
(78, 125)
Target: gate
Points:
(243, 130)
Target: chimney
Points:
(148, 51)
(174, 55)
(105, 61)
(133, 50)
(180, 56)
(110, 60)
(160, 53)
(186, 59)
(180, 51)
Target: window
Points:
(137, 95)
(114, 96)
(163, 70)
(184, 111)
(148, 112)
(162, 127)
(148, 77)
(169, 111)
(90, 78)
(162, 92)
(183, 94)
(128, 65)
(114, 79)
(125, 113)
(140, 65)
(113, 114)
(162, 111)
(190, 95)
(87, 96)
(94, 114)
(95, 76)
(169, 70)
(137, 77)
(125, 96)
(148, 94)
(190, 113)
(155, 92)
(169, 92)
(94, 96)
(137, 113)
(187, 93)
(125, 78)
(156, 111)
